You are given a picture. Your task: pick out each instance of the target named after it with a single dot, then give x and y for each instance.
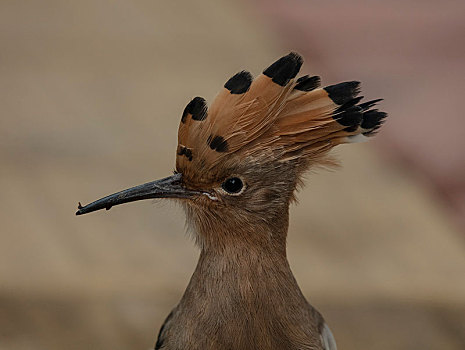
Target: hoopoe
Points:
(238, 163)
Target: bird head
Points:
(239, 160)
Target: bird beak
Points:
(169, 187)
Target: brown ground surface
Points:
(90, 99)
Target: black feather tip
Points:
(349, 104)
(182, 150)
(373, 119)
(197, 108)
(218, 143)
(239, 83)
(351, 117)
(284, 69)
(367, 105)
(307, 83)
(343, 92)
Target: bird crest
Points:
(274, 117)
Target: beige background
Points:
(90, 99)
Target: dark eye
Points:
(233, 185)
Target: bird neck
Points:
(243, 294)
(245, 263)
(243, 271)
(240, 252)
(244, 299)
(240, 261)
(239, 257)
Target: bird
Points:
(239, 162)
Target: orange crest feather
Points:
(273, 117)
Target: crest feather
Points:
(273, 115)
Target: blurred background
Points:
(91, 94)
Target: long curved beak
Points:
(169, 187)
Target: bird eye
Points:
(233, 185)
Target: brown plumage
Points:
(264, 121)
(238, 164)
